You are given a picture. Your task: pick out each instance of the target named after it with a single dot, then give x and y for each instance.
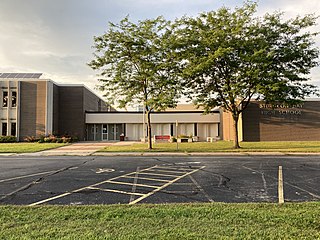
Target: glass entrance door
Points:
(104, 132)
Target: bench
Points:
(161, 138)
(212, 139)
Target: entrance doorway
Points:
(111, 132)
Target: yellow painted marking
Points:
(158, 174)
(159, 170)
(201, 189)
(77, 190)
(176, 168)
(134, 187)
(50, 199)
(111, 179)
(164, 186)
(25, 176)
(116, 191)
(151, 179)
(280, 186)
(132, 184)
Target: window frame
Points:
(3, 100)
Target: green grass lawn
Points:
(27, 147)
(174, 221)
(220, 146)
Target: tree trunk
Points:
(149, 130)
(236, 131)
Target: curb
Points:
(205, 154)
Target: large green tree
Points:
(231, 57)
(136, 65)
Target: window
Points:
(13, 129)
(4, 129)
(13, 99)
(4, 99)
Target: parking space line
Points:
(25, 176)
(132, 184)
(111, 180)
(50, 199)
(159, 170)
(151, 179)
(115, 191)
(175, 168)
(158, 174)
(135, 181)
(164, 186)
(201, 189)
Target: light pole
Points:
(177, 134)
(143, 124)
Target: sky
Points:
(55, 37)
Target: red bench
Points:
(161, 138)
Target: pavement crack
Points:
(41, 179)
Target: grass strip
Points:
(173, 221)
(27, 147)
(219, 146)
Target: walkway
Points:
(78, 149)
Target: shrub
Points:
(31, 139)
(41, 140)
(8, 139)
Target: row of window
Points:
(5, 129)
(5, 99)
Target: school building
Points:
(32, 106)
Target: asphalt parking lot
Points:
(74, 180)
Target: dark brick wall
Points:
(73, 102)
(32, 108)
(298, 123)
(71, 112)
(55, 109)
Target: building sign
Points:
(281, 110)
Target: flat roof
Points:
(20, 75)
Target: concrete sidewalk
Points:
(92, 148)
(76, 149)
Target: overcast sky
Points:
(54, 37)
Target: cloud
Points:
(55, 37)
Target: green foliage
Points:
(51, 139)
(136, 64)
(230, 57)
(8, 139)
(31, 139)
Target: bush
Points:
(41, 140)
(31, 139)
(8, 139)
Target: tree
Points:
(136, 65)
(232, 57)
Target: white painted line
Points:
(115, 191)
(150, 179)
(164, 186)
(280, 186)
(132, 184)
(25, 176)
